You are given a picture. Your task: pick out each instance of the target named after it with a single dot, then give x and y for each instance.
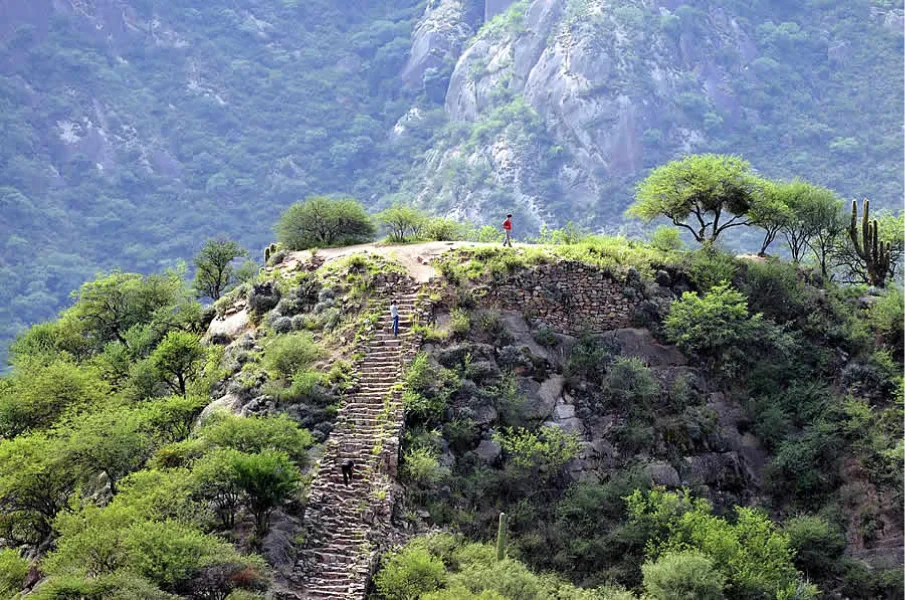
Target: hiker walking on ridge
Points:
(394, 312)
(507, 227)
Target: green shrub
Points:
(683, 576)
(441, 229)
(754, 558)
(116, 586)
(37, 395)
(708, 268)
(320, 222)
(288, 354)
(420, 467)
(402, 223)
(571, 234)
(13, 570)
(805, 468)
(214, 479)
(589, 360)
(256, 434)
(459, 322)
(267, 479)
(171, 554)
(171, 419)
(161, 495)
(409, 574)
(778, 291)
(711, 324)
(629, 385)
(887, 317)
(114, 441)
(35, 482)
(178, 360)
(666, 239)
(817, 543)
(540, 454)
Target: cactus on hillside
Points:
(501, 538)
(867, 244)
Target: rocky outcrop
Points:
(569, 78)
(438, 38)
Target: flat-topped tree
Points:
(705, 194)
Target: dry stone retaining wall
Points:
(569, 296)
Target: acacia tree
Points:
(696, 193)
(403, 223)
(214, 270)
(322, 222)
(814, 221)
(771, 213)
(111, 305)
(178, 359)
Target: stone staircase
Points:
(347, 525)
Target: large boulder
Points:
(229, 327)
(640, 343)
(723, 470)
(662, 473)
(437, 39)
(517, 327)
(488, 451)
(230, 403)
(541, 399)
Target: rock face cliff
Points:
(558, 105)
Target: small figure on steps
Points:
(347, 467)
(394, 312)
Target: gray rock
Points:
(564, 411)
(514, 323)
(230, 403)
(722, 470)
(455, 355)
(541, 399)
(569, 425)
(484, 414)
(662, 473)
(223, 330)
(437, 38)
(488, 451)
(279, 546)
(640, 343)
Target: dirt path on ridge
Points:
(414, 257)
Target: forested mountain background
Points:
(133, 129)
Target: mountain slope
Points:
(132, 129)
(562, 104)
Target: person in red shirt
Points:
(507, 227)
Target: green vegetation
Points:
(321, 222)
(104, 469)
(214, 272)
(710, 188)
(110, 481)
(706, 187)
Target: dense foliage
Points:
(133, 130)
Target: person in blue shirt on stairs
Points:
(394, 312)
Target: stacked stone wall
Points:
(569, 296)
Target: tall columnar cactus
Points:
(874, 253)
(501, 538)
